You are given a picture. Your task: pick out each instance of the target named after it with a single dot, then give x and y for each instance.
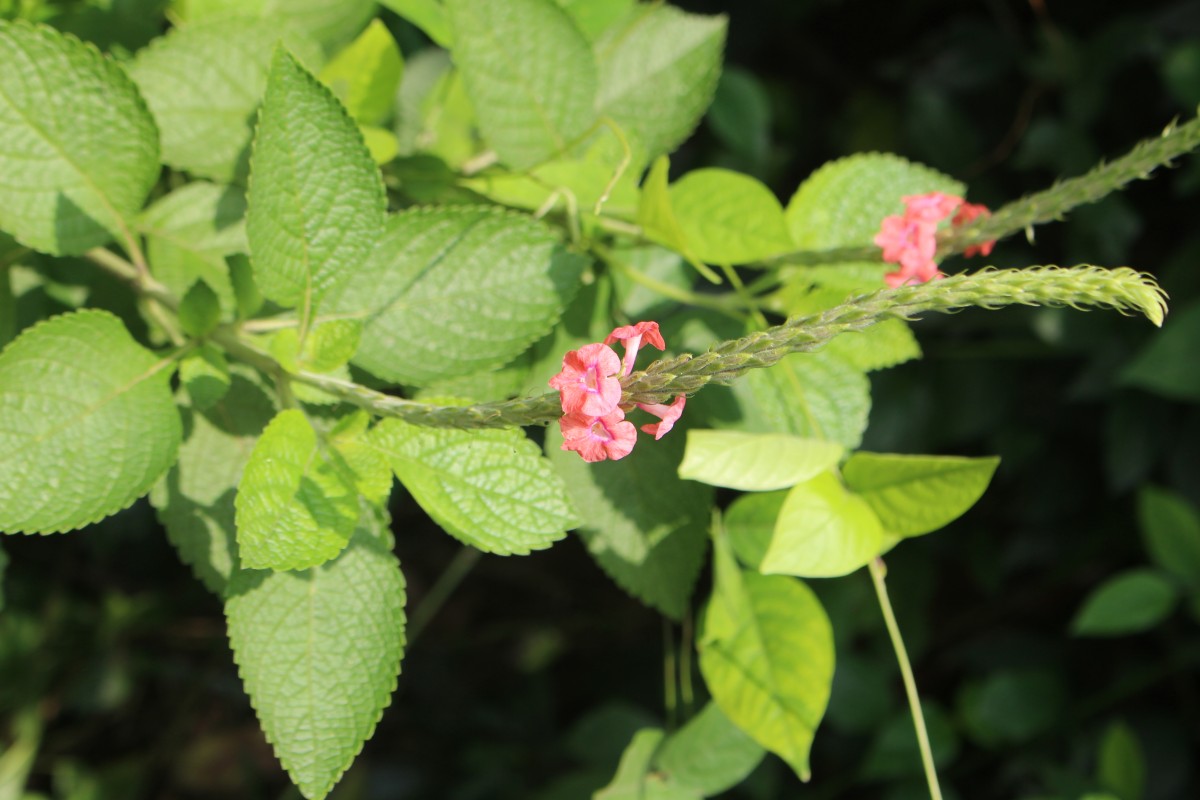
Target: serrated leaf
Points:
(755, 462)
(204, 375)
(329, 24)
(296, 504)
(195, 500)
(319, 653)
(489, 488)
(455, 290)
(79, 151)
(1131, 602)
(709, 754)
(766, 653)
(428, 15)
(913, 495)
(366, 74)
(658, 71)
(1167, 365)
(199, 311)
(822, 531)
(1170, 530)
(87, 423)
(728, 218)
(644, 526)
(532, 104)
(316, 199)
(637, 780)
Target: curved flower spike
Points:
(631, 336)
(588, 383)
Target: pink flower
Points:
(588, 384)
(908, 242)
(598, 438)
(631, 337)
(668, 414)
(966, 213)
(931, 207)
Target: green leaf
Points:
(594, 17)
(297, 504)
(637, 780)
(205, 376)
(371, 472)
(1167, 365)
(195, 500)
(319, 652)
(655, 213)
(823, 531)
(577, 182)
(366, 74)
(381, 143)
(709, 754)
(1171, 533)
(428, 15)
(190, 231)
(87, 423)
(755, 462)
(532, 103)
(199, 311)
(658, 71)
(913, 495)
(456, 290)
(1130, 602)
(80, 149)
(740, 114)
(329, 24)
(1120, 764)
(894, 753)
(489, 488)
(646, 528)
(882, 345)
(728, 218)
(203, 82)
(750, 524)
(1011, 706)
(766, 653)
(316, 198)
(328, 346)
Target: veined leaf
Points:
(87, 423)
(319, 652)
(728, 218)
(296, 504)
(452, 291)
(823, 531)
(532, 102)
(366, 74)
(489, 488)
(79, 150)
(709, 754)
(316, 199)
(766, 653)
(755, 462)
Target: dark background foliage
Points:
(529, 679)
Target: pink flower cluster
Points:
(910, 239)
(593, 422)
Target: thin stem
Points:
(463, 562)
(142, 282)
(716, 302)
(670, 676)
(878, 573)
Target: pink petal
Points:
(668, 414)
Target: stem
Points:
(878, 572)
(440, 592)
(716, 302)
(670, 676)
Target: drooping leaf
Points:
(79, 151)
(913, 495)
(822, 531)
(319, 652)
(532, 104)
(728, 218)
(1170, 530)
(489, 488)
(755, 462)
(455, 290)
(658, 70)
(636, 778)
(766, 653)
(296, 504)
(709, 754)
(195, 500)
(316, 199)
(642, 524)
(87, 423)
(1131, 602)
(366, 74)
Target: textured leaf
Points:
(452, 291)
(78, 148)
(1167, 365)
(319, 652)
(755, 462)
(658, 71)
(532, 102)
(709, 754)
(644, 526)
(636, 778)
(203, 82)
(766, 653)
(882, 345)
(330, 24)
(366, 74)
(1171, 533)
(728, 218)
(822, 531)
(316, 198)
(87, 423)
(328, 346)
(428, 15)
(1131, 602)
(489, 488)
(913, 495)
(297, 504)
(195, 501)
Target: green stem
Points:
(716, 302)
(878, 573)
